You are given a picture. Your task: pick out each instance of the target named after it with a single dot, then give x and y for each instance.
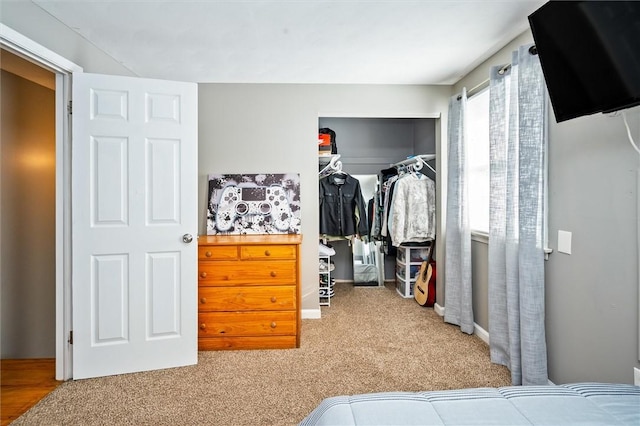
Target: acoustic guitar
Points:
(424, 290)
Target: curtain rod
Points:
(477, 88)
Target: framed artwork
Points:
(263, 203)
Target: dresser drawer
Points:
(247, 273)
(266, 252)
(266, 298)
(246, 342)
(217, 252)
(246, 323)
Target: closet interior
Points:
(373, 154)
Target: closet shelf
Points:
(327, 158)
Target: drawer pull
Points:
(203, 275)
(207, 253)
(273, 299)
(267, 253)
(203, 326)
(273, 324)
(273, 273)
(203, 300)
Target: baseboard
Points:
(438, 309)
(353, 283)
(477, 330)
(311, 314)
(481, 333)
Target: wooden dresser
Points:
(248, 292)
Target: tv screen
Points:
(590, 55)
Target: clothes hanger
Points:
(337, 169)
(331, 165)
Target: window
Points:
(477, 133)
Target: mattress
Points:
(570, 404)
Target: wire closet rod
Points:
(417, 160)
(414, 159)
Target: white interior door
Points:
(134, 186)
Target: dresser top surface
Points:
(250, 239)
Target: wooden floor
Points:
(24, 382)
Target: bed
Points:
(570, 404)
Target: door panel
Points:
(110, 299)
(134, 184)
(109, 187)
(163, 270)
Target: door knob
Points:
(187, 238)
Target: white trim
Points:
(63, 321)
(43, 57)
(438, 309)
(480, 236)
(481, 333)
(311, 314)
(477, 330)
(374, 115)
(483, 237)
(29, 49)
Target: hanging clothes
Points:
(412, 209)
(342, 208)
(387, 178)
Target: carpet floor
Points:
(369, 340)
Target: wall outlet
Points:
(636, 376)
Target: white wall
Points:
(591, 295)
(247, 128)
(36, 24)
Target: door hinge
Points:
(70, 108)
(70, 340)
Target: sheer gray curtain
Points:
(457, 283)
(516, 219)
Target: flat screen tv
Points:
(590, 55)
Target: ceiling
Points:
(297, 41)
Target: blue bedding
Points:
(571, 404)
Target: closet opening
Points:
(367, 149)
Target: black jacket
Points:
(340, 200)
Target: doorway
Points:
(366, 146)
(28, 234)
